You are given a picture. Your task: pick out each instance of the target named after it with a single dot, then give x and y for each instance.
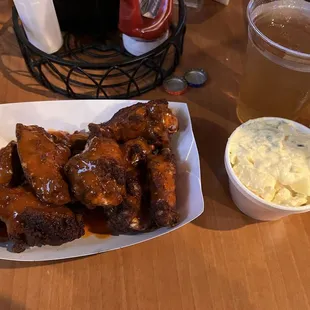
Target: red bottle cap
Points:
(175, 85)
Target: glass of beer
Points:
(276, 80)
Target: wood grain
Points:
(223, 260)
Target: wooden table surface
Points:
(223, 260)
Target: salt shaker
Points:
(40, 23)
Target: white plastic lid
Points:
(138, 47)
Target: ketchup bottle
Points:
(144, 24)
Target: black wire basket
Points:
(96, 68)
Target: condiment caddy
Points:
(102, 67)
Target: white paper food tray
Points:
(76, 115)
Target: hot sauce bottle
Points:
(144, 24)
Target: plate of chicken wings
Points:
(131, 169)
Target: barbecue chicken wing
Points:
(43, 161)
(153, 121)
(97, 175)
(124, 218)
(130, 215)
(162, 181)
(11, 172)
(30, 222)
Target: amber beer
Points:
(276, 80)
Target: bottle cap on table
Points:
(196, 77)
(175, 85)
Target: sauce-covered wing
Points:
(31, 222)
(97, 175)
(43, 161)
(132, 215)
(153, 121)
(162, 180)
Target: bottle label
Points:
(149, 8)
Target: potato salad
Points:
(272, 159)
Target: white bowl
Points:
(251, 204)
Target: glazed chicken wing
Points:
(30, 222)
(97, 175)
(130, 215)
(162, 180)
(11, 172)
(124, 218)
(43, 161)
(153, 121)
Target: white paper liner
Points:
(76, 115)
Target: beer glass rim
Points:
(286, 50)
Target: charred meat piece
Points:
(11, 173)
(162, 181)
(97, 175)
(130, 215)
(30, 222)
(136, 199)
(43, 161)
(153, 121)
